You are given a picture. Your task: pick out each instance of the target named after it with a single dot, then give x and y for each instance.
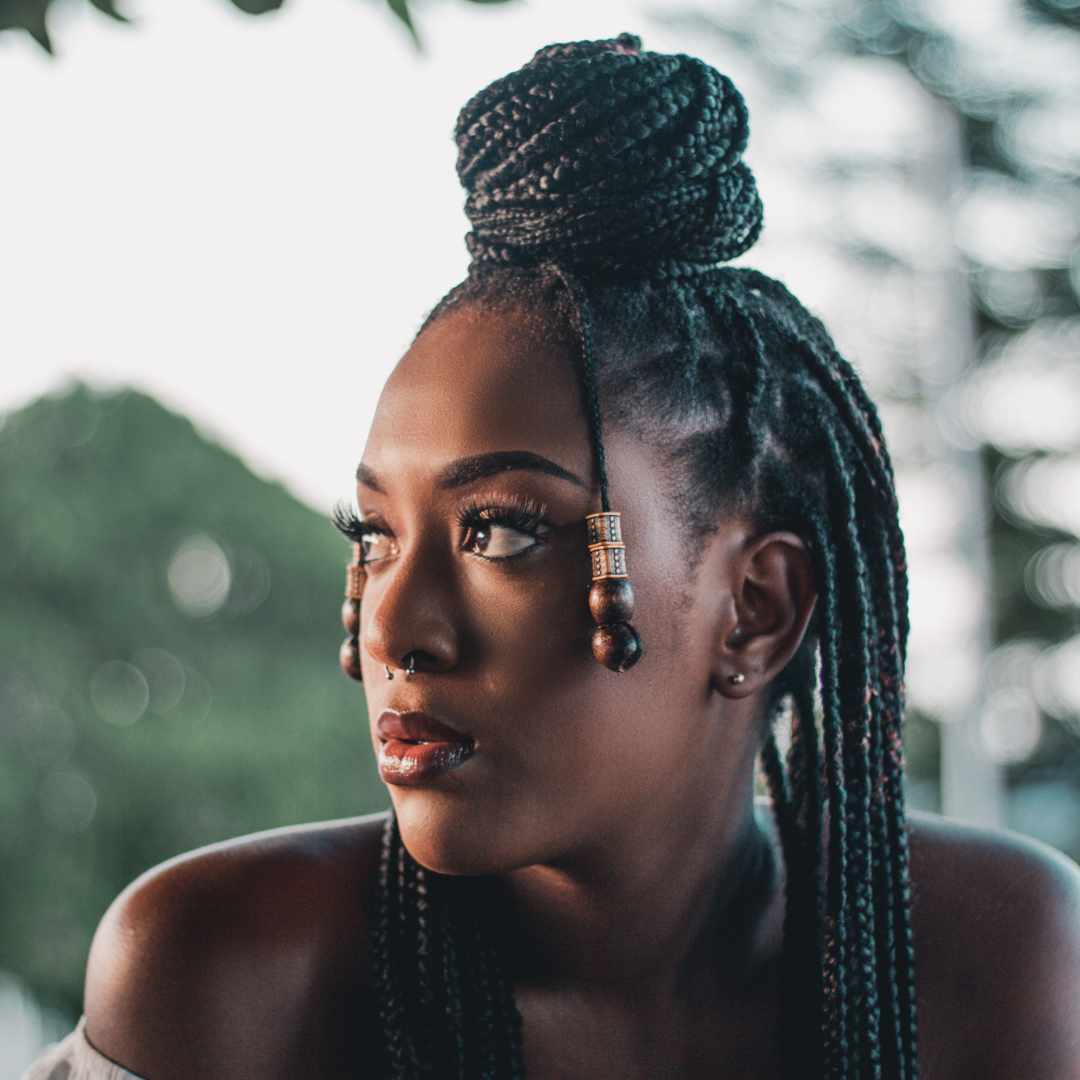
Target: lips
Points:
(417, 748)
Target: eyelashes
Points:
(522, 513)
(343, 518)
(513, 511)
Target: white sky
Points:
(246, 217)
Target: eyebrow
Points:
(466, 470)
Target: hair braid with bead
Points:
(605, 185)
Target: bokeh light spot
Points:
(199, 576)
(250, 581)
(68, 800)
(1010, 725)
(119, 692)
(165, 677)
(1052, 576)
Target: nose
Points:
(408, 607)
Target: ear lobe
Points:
(773, 595)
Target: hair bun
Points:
(598, 154)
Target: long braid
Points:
(451, 978)
(856, 723)
(799, 984)
(896, 596)
(886, 647)
(417, 928)
(807, 787)
(616, 176)
(837, 1053)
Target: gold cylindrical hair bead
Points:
(608, 561)
(604, 527)
(607, 552)
(354, 581)
(355, 576)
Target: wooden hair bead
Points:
(350, 658)
(611, 600)
(350, 617)
(617, 646)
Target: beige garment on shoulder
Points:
(73, 1058)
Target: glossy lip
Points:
(416, 748)
(416, 726)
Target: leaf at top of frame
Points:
(257, 7)
(28, 15)
(401, 9)
(108, 7)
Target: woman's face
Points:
(565, 752)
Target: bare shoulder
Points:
(243, 958)
(996, 919)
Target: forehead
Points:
(477, 381)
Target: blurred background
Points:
(222, 223)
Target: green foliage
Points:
(401, 9)
(109, 8)
(133, 728)
(31, 16)
(28, 15)
(257, 7)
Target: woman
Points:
(623, 511)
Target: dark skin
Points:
(644, 931)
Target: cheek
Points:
(533, 648)
(531, 630)
(582, 737)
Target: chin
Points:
(445, 836)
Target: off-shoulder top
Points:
(73, 1058)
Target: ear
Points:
(772, 596)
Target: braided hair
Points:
(606, 184)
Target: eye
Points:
(374, 543)
(508, 542)
(499, 531)
(372, 536)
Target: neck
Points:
(668, 904)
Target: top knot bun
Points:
(598, 155)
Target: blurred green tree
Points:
(168, 666)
